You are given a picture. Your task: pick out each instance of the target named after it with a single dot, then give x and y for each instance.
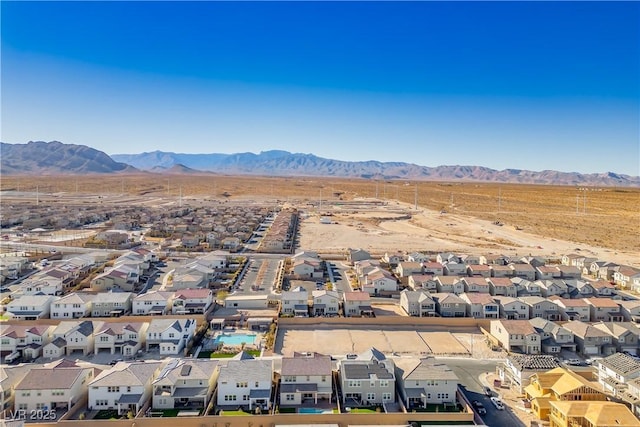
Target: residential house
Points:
(295, 302)
(31, 307)
(417, 257)
(378, 281)
(358, 255)
(423, 382)
(192, 301)
(305, 378)
(433, 268)
(125, 338)
(580, 289)
(525, 271)
(71, 336)
(9, 377)
(325, 303)
(417, 303)
(554, 337)
(625, 276)
(245, 383)
(548, 272)
(170, 336)
(592, 414)
(445, 257)
(516, 336)
(541, 307)
(42, 286)
(512, 308)
(449, 284)
(604, 309)
(573, 309)
(498, 270)
(525, 287)
(555, 287)
(152, 303)
(534, 261)
(185, 384)
(607, 270)
(450, 305)
(517, 369)
(126, 387)
(497, 259)
(615, 372)
(424, 282)
(367, 380)
(356, 304)
(308, 267)
(56, 387)
(24, 339)
(481, 306)
(476, 284)
(407, 268)
(603, 288)
(560, 384)
(590, 340)
(481, 270)
(571, 259)
(452, 268)
(393, 259)
(624, 334)
(570, 272)
(72, 306)
(502, 286)
(473, 259)
(630, 310)
(111, 304)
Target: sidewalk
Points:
(512, 399)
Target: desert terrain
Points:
(433, 216)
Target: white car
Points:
(497, 403)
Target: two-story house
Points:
(126, 387)
(516, 335)
(573, 309)
(449, 305)
(326, 303)
(449, 284)
(511, 308)
(120, 337)
(476, 284)
(417, 303)
(152, 303)
(624, 335)
(192, 301)
(481, 306)
(111, 304)
(369, 379)
(72, 306)
(541, 307)
(54, 387)
(245, 383)
(305, 378)
(590, 340)
(378, 281)
(554, 337)
(185, 384)
(170, 336)
(71, 336)
(295, 302)
(502, 286)
(425, 381)
(31, 307)
(356, 304)
(604, 310)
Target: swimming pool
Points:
(235, 339)
(310, 411)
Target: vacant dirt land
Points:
(603, 221)
(390, 340)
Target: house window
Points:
(113, 389)
(371, 396)
(230, 397)
(384, 383)
(245, 397)
(324, 378)
(289, 397)
(242, 385)
(386, 397)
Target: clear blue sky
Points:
(539, 85)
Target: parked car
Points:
(480, 409)
(497, 403)
(487, 391)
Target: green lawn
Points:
(170, 412)
(369, 410)
(438, 408)
(213, 355)
(234, 413)
(106, 414)
(287, 410)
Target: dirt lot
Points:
(341, 341)
(433, 231)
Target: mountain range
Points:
(57, 158)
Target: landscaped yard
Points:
(106, 414)
(205, 354)
(365, 410)
(438, 408)
(234, 413)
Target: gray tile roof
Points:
(246, 370)
(621, 364)
(306, 365)
(48, 379)
(362, 370)
(424, 369)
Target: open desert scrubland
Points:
(603, 220)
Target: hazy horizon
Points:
(504, 85)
